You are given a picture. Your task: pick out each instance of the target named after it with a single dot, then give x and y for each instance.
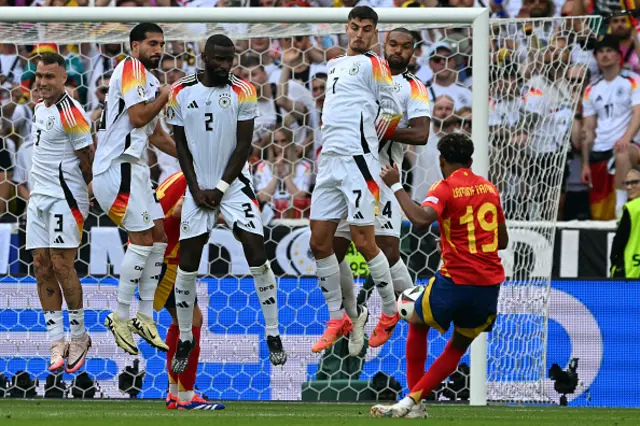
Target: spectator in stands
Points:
(318, 87)
(10, 65)
(445, 77)
(547, 120)
(424, 159)
(620, 26)
(171, 69)
(464, 120)
(101, 97)
(625, 250)
(283, 179)
(111, 54)
(611, 122)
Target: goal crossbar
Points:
(236, 15)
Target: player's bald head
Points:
(456, 148)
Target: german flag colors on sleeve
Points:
(134, 82)
(247, 98)
(418, 105)
(74, 122)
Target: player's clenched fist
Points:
(390, 175)
(203, 198)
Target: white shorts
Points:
(125, 193)
(388, 223)
(54, 223)
(347, 187)
(238, 207)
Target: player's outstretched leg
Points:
(143, 323)
(171, 340)
(266, 289)
(51, 301)
(358, 314)
(328, 271)
(62, 261)
(185, 295)
(364, 239)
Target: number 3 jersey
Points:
(58, 131)
(612, 102)
(210, 118)
(469, 211)
(131, 83)
(359, 91)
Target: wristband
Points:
(222, 186)
(396, 187)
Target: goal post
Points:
(498, 369)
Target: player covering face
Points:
(213, 116)
(465, 290)
(359, 85)
(59, 203)
(413, 129)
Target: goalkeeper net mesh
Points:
(537, 73)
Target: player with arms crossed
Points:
(122, 184)
(359, 86)
(465, 290)
(413, 129)
(213, 114)
(58, 206)
(170, 194)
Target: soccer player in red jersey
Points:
(465, 290)
(181, 395)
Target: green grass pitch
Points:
(153, 413)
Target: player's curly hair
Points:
(456, 148)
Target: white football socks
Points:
(267, 291)
(328, 272)
(131, 272)
(150, 277)
(76, 323)
(185, 291)
(348, 295)
(379, 270)
(400, 277)
(55, 325)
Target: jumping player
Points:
(213, 114)
(413, 129)
(465, 290)
(122, 182)
(58, 206)
(347, 183)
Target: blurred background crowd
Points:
(539, 73)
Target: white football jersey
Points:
(504, 112)
(545, 98)
(359, 89)
(263, 174)
(210, 118)
(59, 131)
(414, 99)
(462, 97)
(612, 102)
(130, 84)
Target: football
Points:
(406, 301)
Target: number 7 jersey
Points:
(469, 211)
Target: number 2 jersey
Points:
(413, 97)
(210, 118)
(58, 131)
(131, 83)
(469, 211)
(612, 102)
(359, 91)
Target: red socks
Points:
(187, 380)
(172, 341)
(442, 368)
(416, 354)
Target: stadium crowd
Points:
(537, 80)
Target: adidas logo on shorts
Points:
(58, 240)
(358, 215)
(387, 226)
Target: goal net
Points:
(536, 74)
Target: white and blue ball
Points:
(407, 300)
